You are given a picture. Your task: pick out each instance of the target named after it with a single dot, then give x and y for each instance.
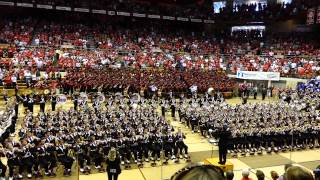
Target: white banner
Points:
(43, 6)
(196, 20)
(207, 21)
(25, 5)
(256, 75)
(63, 8)
(81, 10)
(123, 13)
(182, 19)
(154, 16)
(138, 15)
(6, 3)
(98, 11)
(168, 18)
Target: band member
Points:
(62, 155)
(163, 108)
(25, 102)
(146, 145)
(3, 168)
(12, 160)
(173, 108)
(75, 102)
(82, 150)
(169, 146)
(53, 102)
(42, 156)
(96, 104)
(180, 145)
(27, 160)
(194, 122)
(157, 143)
(95, 154)
(30, 103)
(42, 103)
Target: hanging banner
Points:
(182, 19)
(310, 16)
(81, 10)
(138, 15)
(257, 75)
(171, 18)
(318, 15)
(120, 13)
(6, 3)
(99, 11)
(25, 5)
(43, 6)
(196, 20)
(153, 16)
(63, 8)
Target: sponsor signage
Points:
(256, 75)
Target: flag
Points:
(310, 16)
(318, 15)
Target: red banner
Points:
(310, 16)
(318, 15)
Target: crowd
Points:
(35, 46)
(151, 81)
(212, 172)
(292, 124)
(87, 134)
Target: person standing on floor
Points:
(113, 165)
(53, 102)
(42, 103)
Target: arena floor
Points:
(200, 149)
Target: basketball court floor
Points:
(199, 150)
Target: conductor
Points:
(223, 135)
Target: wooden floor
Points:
(200, 149)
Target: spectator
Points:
(317, 173)
(245, 174)
(229, 175)
(274, 175)
(205, 172)
(260, 175)
(298, 173)
(283, 177)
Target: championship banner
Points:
(81, 10)
(43, 6)
(256, 75)
(25, 5)
(99, 11)
(310, 16)
(62, 99)
(318, 15)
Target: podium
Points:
(214, 161)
